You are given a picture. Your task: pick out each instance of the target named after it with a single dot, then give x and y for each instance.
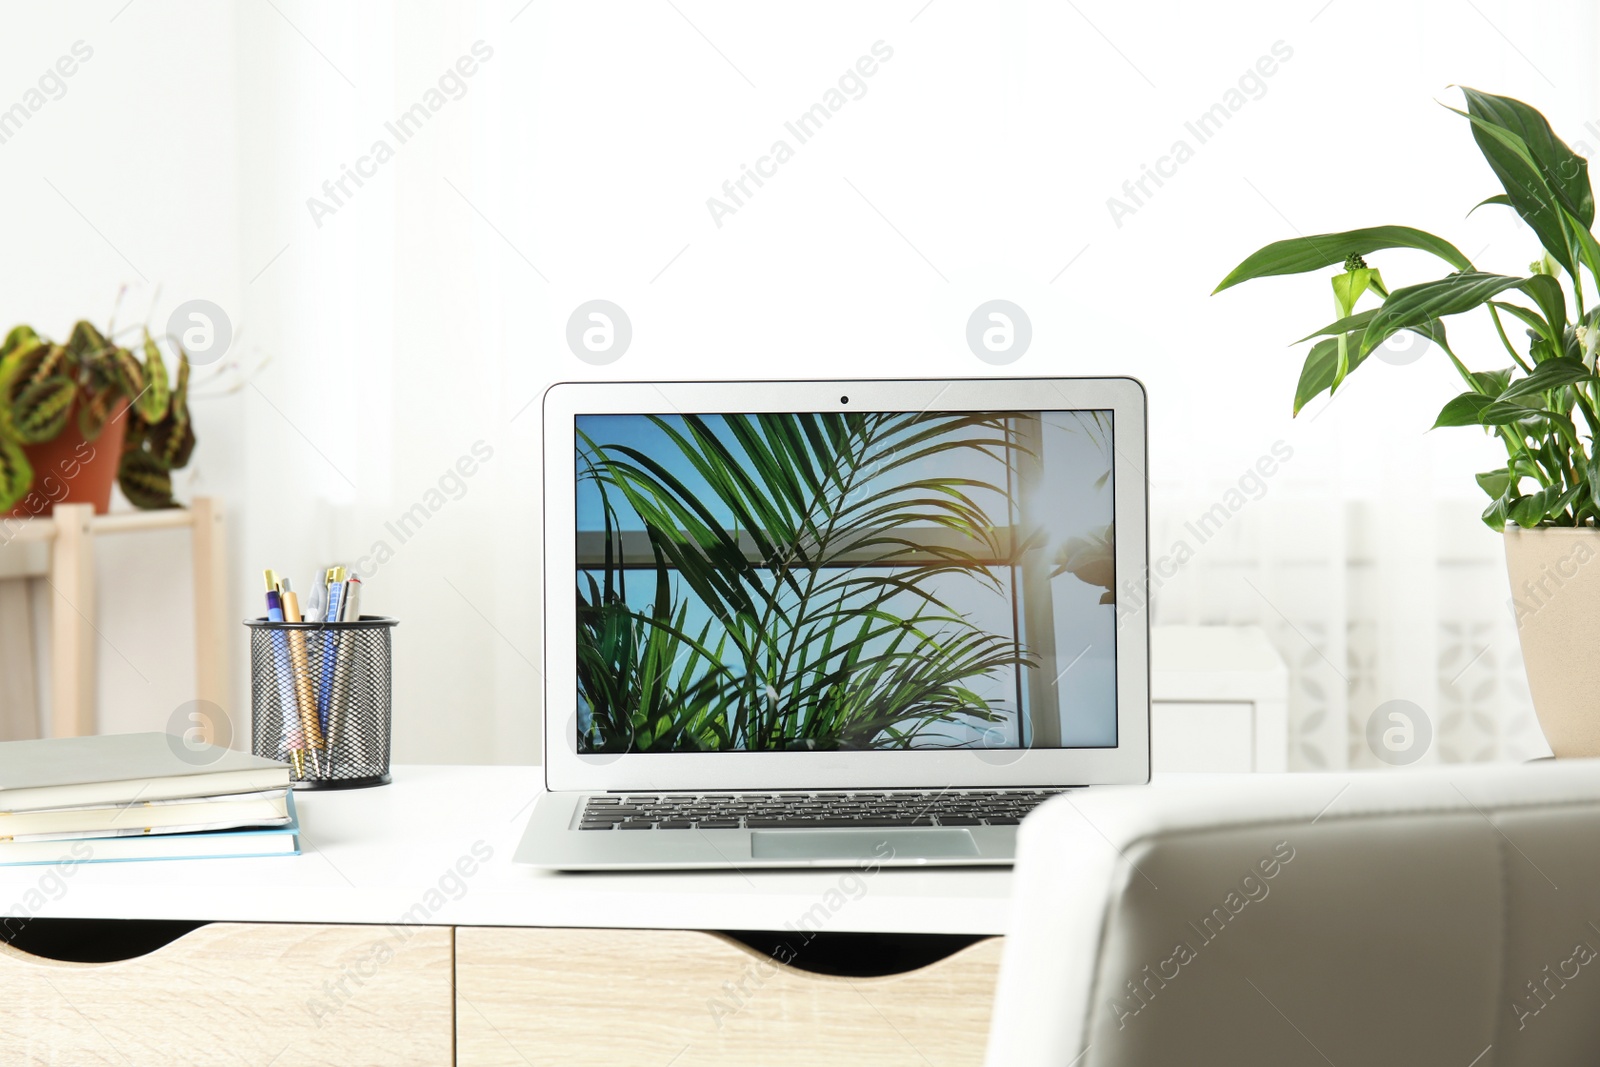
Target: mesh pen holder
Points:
(320, 699)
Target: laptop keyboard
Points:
(753, 811)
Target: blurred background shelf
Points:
(59, 550)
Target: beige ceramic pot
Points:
(1555, 593)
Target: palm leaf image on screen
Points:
(796, 568)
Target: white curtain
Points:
(1365, 615)
(388, 290)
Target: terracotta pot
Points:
(1555, 591)
(71, 470)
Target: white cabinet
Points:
(1199, 736)
(1219, 700)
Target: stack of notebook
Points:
(140, 796)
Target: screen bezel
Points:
(1129, 762)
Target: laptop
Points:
(836, 623)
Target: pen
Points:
(334, 582)
(294, 736)
(302, 678)
(349, 611)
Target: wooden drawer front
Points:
(239, 993)
(620, 998)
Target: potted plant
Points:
(76, 415)
(1542, 407)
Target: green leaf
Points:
(180, 391)
(1588, 248)
(156, 396)
(126, 372)
(1513, 412)
(85, 341)
(41, 409)
(172, 441)
(16, 475)
(12, 369)
(1495, 483)
(1534, 508)
(1493, 382)
(1416, 304)
(1465, 410)
(1498, 198)
(1564, 170)
(144, 481)
(1530, 318)
(43, 362)
(1348, 287)
(1513, 161)
(1551, 374)
(1322, 370)
(1546, 292)
(1433, 330)
(1523, 466)
(1496, 413)
(1568, 498)
(1355, 322)
(15, 338)
(1494, 516)
(1300, 254)
(17, 367)
(92, 414)
(1318, 372)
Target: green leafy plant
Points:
(647, 681)
(822, 629)
(1543, 406)
(43, 383)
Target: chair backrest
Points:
(1445, 916)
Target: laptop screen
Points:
(845, 581)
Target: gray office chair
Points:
(1447, 916)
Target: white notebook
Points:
(69, 772)
(186, 815)
(268, 841)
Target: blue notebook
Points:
(220, 844)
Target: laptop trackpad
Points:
(932, 844)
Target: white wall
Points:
(577, 165)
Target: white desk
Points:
(373, 855)
(405, 935)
